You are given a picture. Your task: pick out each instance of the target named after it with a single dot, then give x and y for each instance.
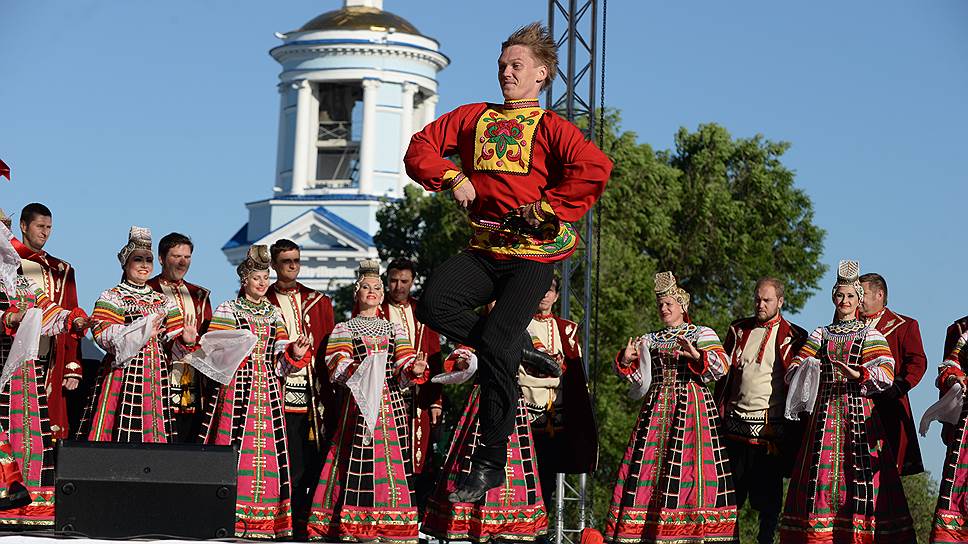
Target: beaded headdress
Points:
(257, 260)
(369, 268)
(848, 273)
(665, 286)
(138, 238)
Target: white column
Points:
(301, 144)
(368, 143)
(312, 136)
(281, 140)
(430, 110)
(406, 131)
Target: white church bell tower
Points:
(356, 84)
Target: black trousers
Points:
(187, 427)
(456, 289)
(305, 463)
(758, 475)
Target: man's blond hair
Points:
(539, 40)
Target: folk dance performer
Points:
(559, 408)
(674, 483)
(188, 386)
(61, 354)
(525, 175)
(424, 402)
(309, 397)
(951, 514)
(141, 331)
(892, 404)
(363, 491)
(27, 449)
(751, 398)
(248, 412)
(845, 485)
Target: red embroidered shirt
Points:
(515, 154)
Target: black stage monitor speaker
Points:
(108, 490)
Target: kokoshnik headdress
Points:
(257, 260)
(665, 286)
(369, 268)
(138, 238)
(848, 273)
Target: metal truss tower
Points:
(574, 24)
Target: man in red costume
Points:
(187, 385)
(892, 404)
(56, 277)
(751, 399)
(559, 408)
(526, 174)
(309, 396)
(426, 402)
(954, 332)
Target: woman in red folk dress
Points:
(139, 329)
(951, 513)
(845, 487)
(674, 484)
(363, 492)
(248, 412)
(23, 402)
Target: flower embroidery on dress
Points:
(503, 141)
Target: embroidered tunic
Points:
(515, 154)
(133, 403)
(363, 490)
(248, 414)
(845, 486)
(951, 514)
(24, 410)
(674, 483)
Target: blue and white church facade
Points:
(356, 84)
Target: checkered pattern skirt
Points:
(951, 514)
(131, 404)
(513, 511)
(248, 414)
(364, 491)
(674, 483)
(845, 486)
(23, 412)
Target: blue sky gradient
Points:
(164, 114)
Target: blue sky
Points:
(163, 114)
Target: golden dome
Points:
(360, 18)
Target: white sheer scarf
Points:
(9, 263)
(642, 378)
(946, 410)
(804, 386)
(131, 339)
(458, 376)
(220, 353)
(366, 384)
(26, 344)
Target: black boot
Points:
(482, 478)
(539, 363)
(17, 496)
